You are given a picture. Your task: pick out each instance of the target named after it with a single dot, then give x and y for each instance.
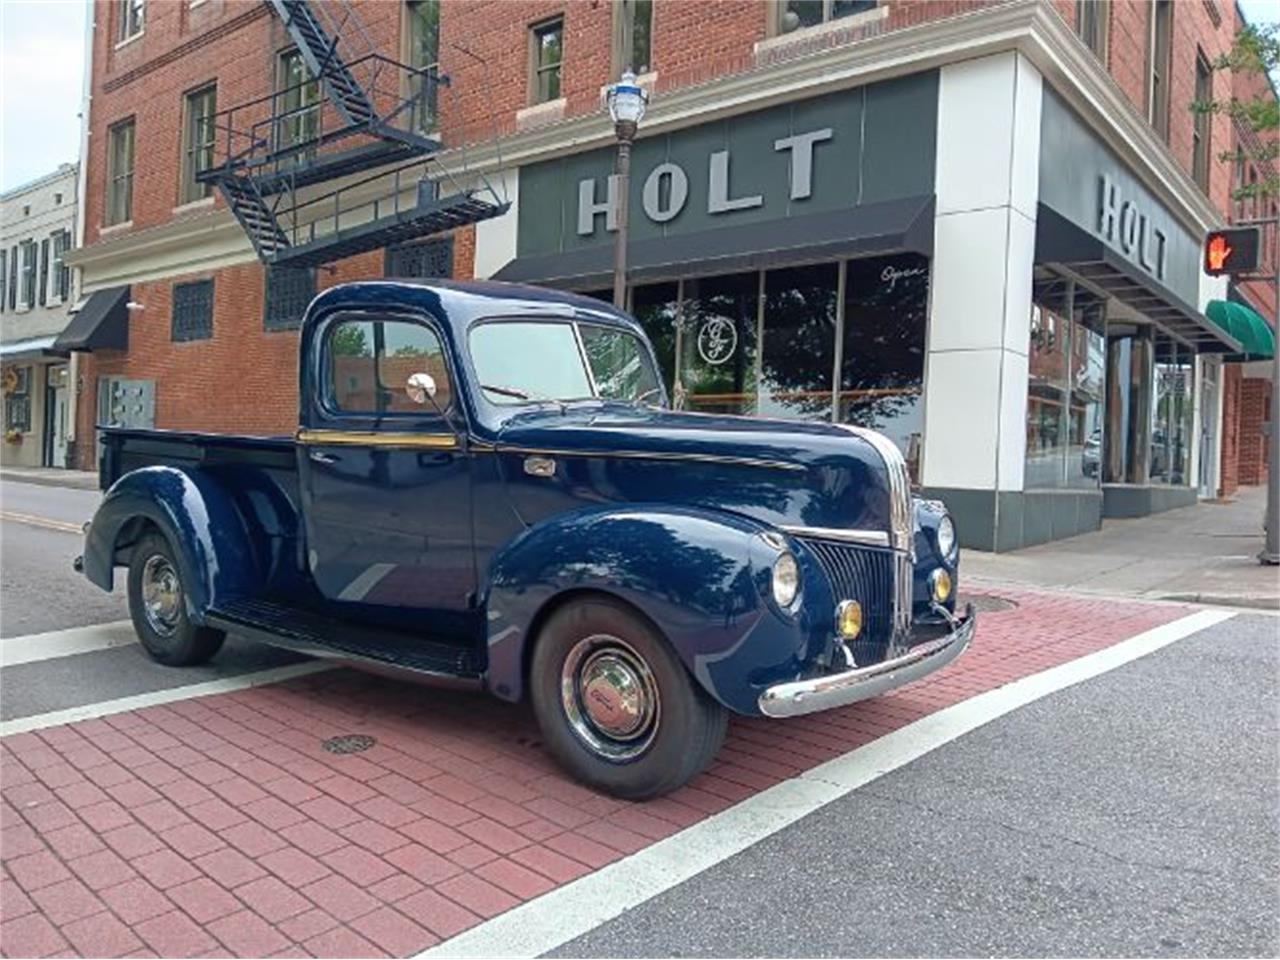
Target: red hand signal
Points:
(1217, 252)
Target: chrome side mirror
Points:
(420, 387)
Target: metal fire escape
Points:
(287, 164)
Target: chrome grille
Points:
(868, 575)
(901, 524)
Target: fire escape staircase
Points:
(273, 161)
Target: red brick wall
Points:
(1255, 400)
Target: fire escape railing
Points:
(275, 153)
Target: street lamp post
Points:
(627, 101)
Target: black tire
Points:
(686, 728)
(165, 631)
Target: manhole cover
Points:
(990, 603)
(349, 743)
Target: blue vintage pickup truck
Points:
(487, 487)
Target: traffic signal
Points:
(1231, 251)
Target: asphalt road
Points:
(39, 591)
(1132, 815)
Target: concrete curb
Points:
(74, 479)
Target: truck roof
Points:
(459, 303)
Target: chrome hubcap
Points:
(161, 596)
(610, 698)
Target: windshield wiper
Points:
(510, 392)
(522, 395)
(647, 394)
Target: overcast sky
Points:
(42, 72)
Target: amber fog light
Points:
(940, 585)
(848, 619)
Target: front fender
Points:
(208, 534)
(698, 575)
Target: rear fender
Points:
(208, 534)
(698, 575)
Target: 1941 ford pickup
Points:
(487, 487)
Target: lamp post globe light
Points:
(627, 101)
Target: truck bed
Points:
(125, 449)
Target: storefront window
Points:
(657, 307)
(1048, 389)
(799, 342)
(718, 344)
(1171, 430)
(1066, 359)
(1087, 378)
(886, 307)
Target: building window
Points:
(4, 279)
(42, 290)
(1065, 391)
(1161, 45)
(61, 273)
(422, 32)
(13, 277)
(297, 104)
(120, 172)
(132, 17)
(289, 292)
(547, 53)
(798, 341)
(1092, 18)
(632, 36)
(198, 141)
(796, 14)
(1200, 131)
(192, 310)
(27, 295)
(431, 258)
(17, 405)
(1171, 407)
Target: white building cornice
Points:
(1029, 27)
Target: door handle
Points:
(325, 458)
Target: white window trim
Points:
(132, 38)
(22, 304)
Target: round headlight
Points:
(946, 536)
(786, 580)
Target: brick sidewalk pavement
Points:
(219, 825)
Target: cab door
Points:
(385, 471)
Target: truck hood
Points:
(782, 472)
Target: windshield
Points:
(522, 360)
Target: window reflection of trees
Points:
(882, 363)
(799, 342)
(718, 343)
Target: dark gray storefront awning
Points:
(892, 226)
(1059, 241)
(101, 323)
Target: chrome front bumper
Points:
(837, 689)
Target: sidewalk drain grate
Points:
(349, 743)
(990, 603)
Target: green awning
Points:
(1245, 325)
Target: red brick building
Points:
(965, 126)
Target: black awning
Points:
(101, 323)
(892, 226)
(1059, 241)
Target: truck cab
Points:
(487, 487)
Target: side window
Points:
(370, 361)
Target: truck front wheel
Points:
(158, 608)
(617, 708)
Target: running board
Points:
(370, 648)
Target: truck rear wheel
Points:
(616, 706)
(158, 608)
